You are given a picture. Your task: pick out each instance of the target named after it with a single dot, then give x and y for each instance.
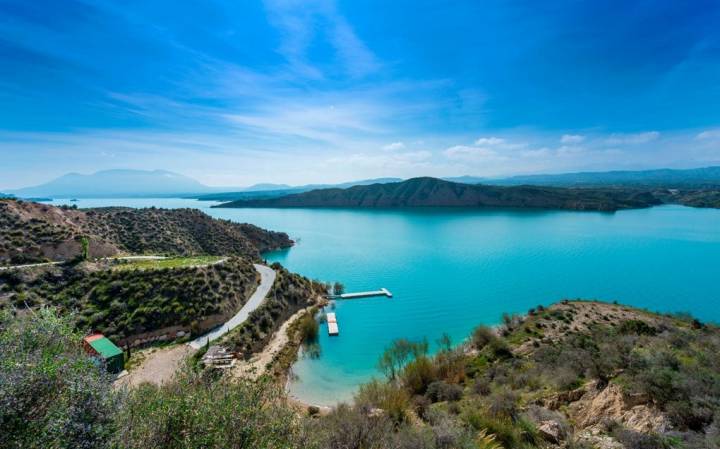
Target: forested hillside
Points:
(135, 303)
(33, 232)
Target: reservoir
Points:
(450, 270)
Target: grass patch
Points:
(172, 262)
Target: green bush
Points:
(51, 393)
(195, 411)
(309, 329)
(386, 396)
(441, 391)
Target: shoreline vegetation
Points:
(576, 374)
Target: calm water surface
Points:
(450, 270)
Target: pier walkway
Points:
(381, 292)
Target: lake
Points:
(451, 270)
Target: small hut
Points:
(218, 357)
(100, 346)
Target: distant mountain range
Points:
(706, 177)
(154, 183)
(262, 191)
(115, 183)
(433, 192)
(696, 178)
(141, 183)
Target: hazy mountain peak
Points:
(116, 183)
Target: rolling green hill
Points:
(134, 302)
(33, 232)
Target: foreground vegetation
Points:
(576, 375)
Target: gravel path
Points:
(257, 365)
(46, 264)
(267, 277)
(160, 365)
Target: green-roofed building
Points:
(101, 346)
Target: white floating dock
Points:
(333, 329)
(381, 292)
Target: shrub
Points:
(481, 386)
(308, 328)
(418, 374)
(440, 391)
(637, 440)
(196, 411)
(637, 327)
(51, 393)
(400, 352)
(482, 336)
(351, 427)
(504, 404)
(386, 396)
(502, 428)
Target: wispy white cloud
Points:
(489, 141)
(394, 146)
(572, 139)
(527, 152)
(396, 164)
(570, 150)
(711, 134)
(632, 139)
(303, 22)
(474, 154)
(325, 123)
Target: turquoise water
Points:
(450, 270)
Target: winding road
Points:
(267, 277)
(160, 365)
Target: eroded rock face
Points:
(552, 431)
(596, 407)
(563, 398)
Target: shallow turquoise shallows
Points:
(450, 270)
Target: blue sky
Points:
(239, 92)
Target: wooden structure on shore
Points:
(101, 347)
(218, 357)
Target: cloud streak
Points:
(303, 22)
(633, 139)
